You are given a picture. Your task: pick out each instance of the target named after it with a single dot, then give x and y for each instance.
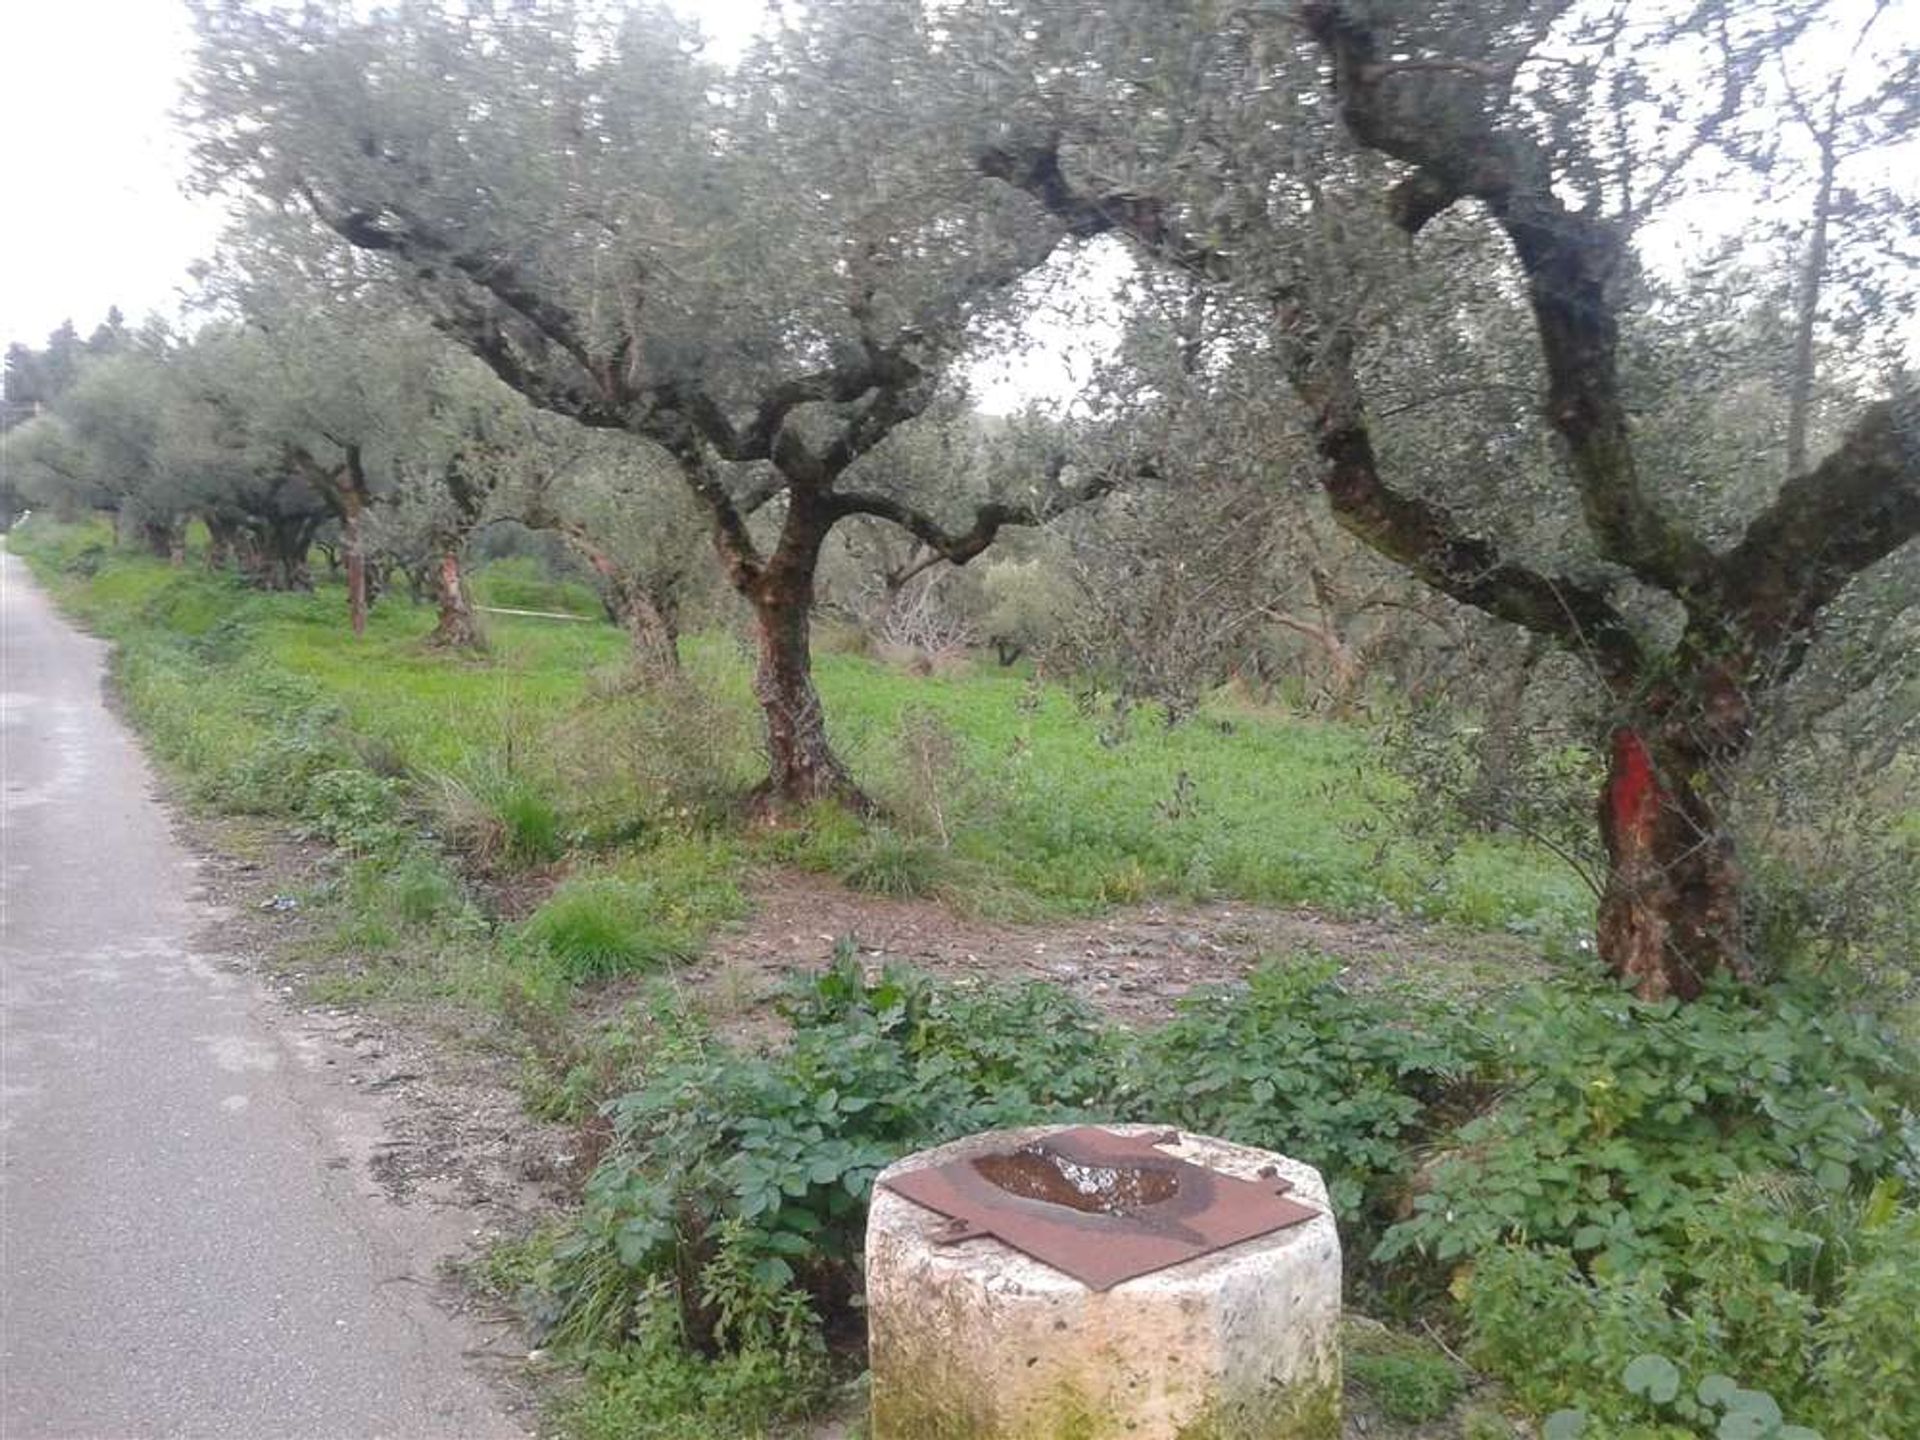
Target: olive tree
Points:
(110, 416)
(762, 277)
(1328, 163)
(471, 452)
(49, 468)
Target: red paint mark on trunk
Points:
(1633, 792)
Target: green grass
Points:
(520, 584)
(1241, 803)
(249, 692)
(640, 916)
(1410, 1380)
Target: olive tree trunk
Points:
(222, 538)
(1670, 913)
(457, 628)
(802, 765)
(650, 627)
(353, 543)
(161, 539)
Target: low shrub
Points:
(777, 1152)
(414, 890)
(667, 748)
(1296, 1062)
(1866, 1372)
(929, 782)
(1625, 1121)
(85, 562)
(353, 809)
(402, 906)
(1615, 1359)
(496, 816)
(1715, 1186)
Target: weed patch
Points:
(888, 863)
(1715, 1185)
(595, 928)
(1408, 1379)
(1297, 1063)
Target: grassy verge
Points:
(1002, 790)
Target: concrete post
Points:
(975, 1341)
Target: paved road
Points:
(180, 1259)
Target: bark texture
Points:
(802, 766)
(651, 626)
(347, 491)
(353, 542)
(1670, 912)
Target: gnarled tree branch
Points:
(1450, 134)
(1424, 537)
(958, 547)
(1857, 506)
(1412, 531)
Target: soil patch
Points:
(1133, 964)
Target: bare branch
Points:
(988, 519)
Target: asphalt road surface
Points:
(179, 1257)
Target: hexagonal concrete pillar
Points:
(975, 1341)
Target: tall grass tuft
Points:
(594, 928)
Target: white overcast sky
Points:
(95, 213)
(95, 210)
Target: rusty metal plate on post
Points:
(1098, 1206)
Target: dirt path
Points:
(1133, 964)
(454, 1131)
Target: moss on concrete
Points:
(934, 1408)
(1300, 1412)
